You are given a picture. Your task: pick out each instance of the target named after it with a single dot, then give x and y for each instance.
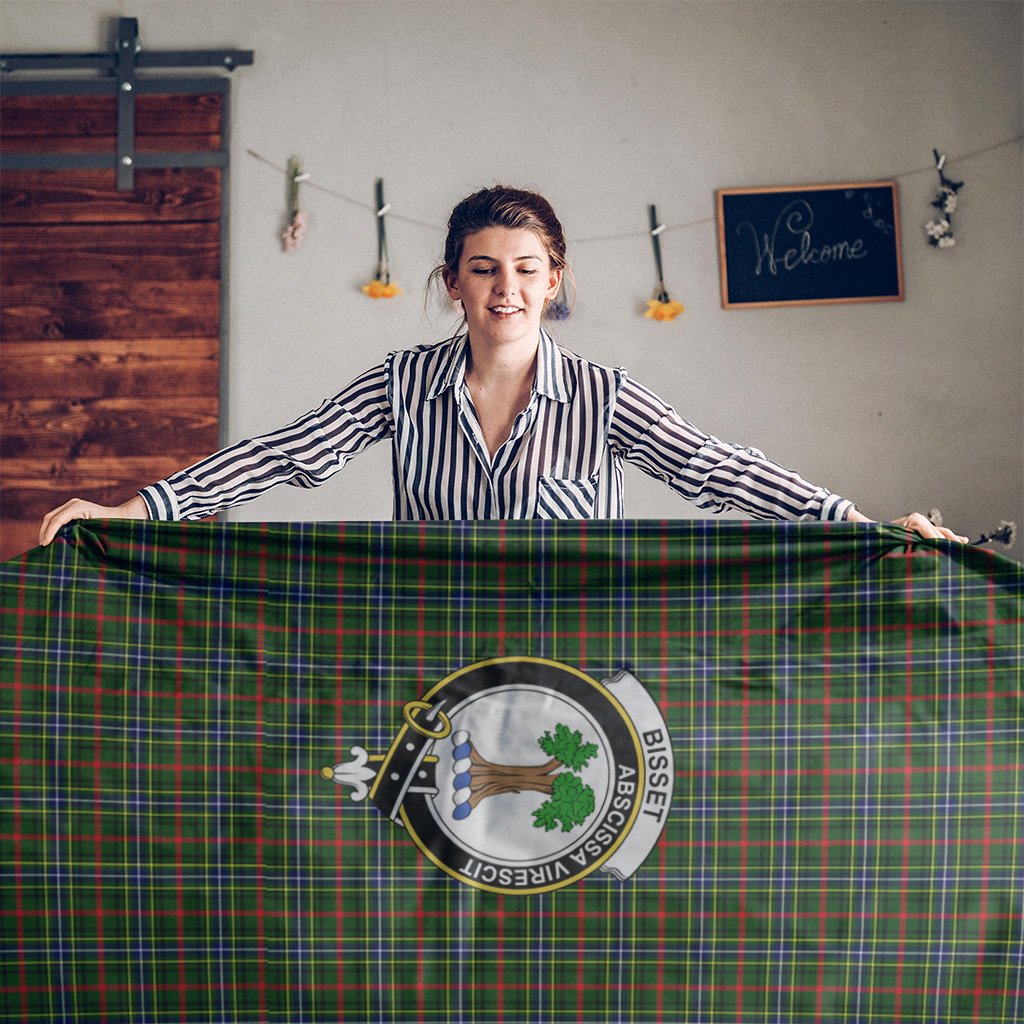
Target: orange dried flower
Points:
(380, 290)
(665, 311)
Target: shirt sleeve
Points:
(304, 454)
(711, 473)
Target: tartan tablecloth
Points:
(802, 746)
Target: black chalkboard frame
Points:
(892, 249)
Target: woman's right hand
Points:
(76, 508)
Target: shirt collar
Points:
(549, 381)
(551, 371)
(451, 370)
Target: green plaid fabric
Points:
(844, 842)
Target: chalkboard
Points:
(812, 244)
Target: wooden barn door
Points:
(111, 302)
(110, 311)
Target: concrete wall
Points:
(606, 107)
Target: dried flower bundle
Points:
(381, 287)
(940, 231)
(298, 218)
(1005, 533)
(661, 307)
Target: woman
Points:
(497, 422)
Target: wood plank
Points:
(93, 310)
(110, 252)
(108, 144)
(30, 487)
(73, 428)
(85, 475)
(82, 197)
(18, 536)
(85, 116)
(110, 369)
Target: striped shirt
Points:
(562, 460)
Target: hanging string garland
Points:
(382, 287)
(940, 232)
(298, 218)
(661, 307)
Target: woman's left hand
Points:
(918, 523)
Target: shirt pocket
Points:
(563, 498)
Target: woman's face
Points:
(505, 277)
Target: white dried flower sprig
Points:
(946, 200)
(940, 231)
(1005, 533)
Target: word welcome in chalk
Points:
(795, 220)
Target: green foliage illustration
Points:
(570, 804)
(568, 747)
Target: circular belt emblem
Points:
(523, 775)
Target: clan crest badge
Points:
(522, 775)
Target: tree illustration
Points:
(570, 802)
